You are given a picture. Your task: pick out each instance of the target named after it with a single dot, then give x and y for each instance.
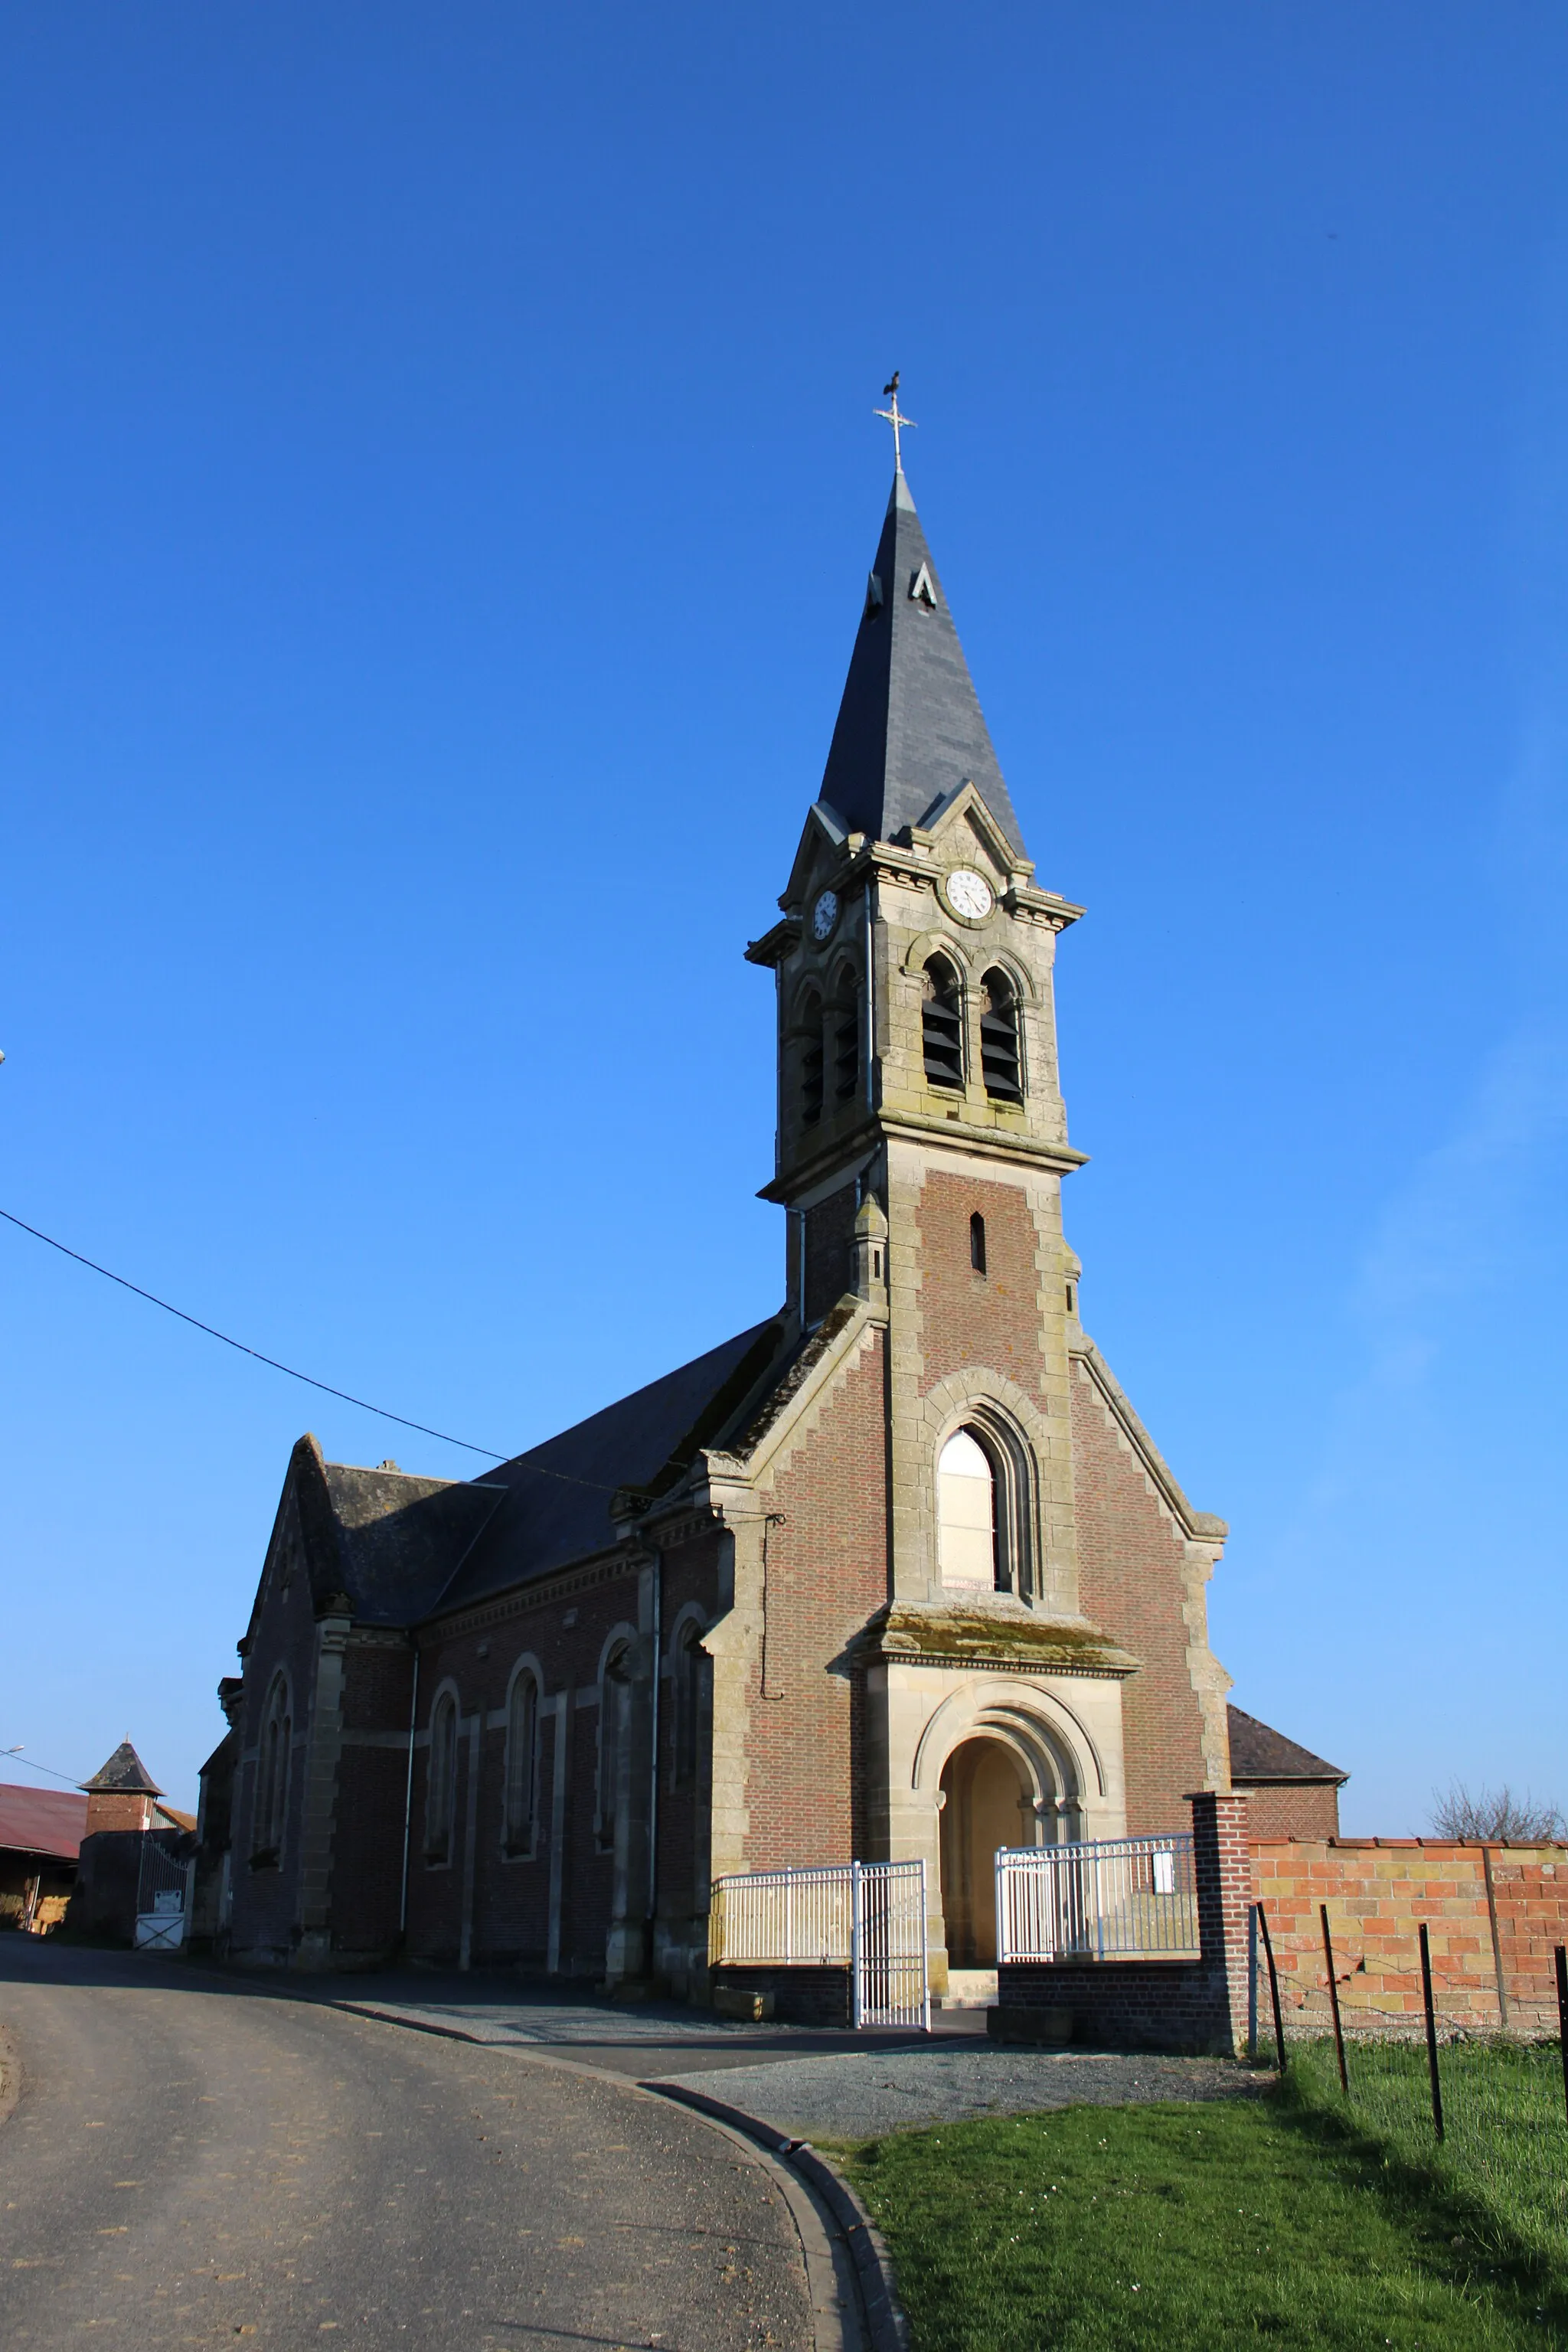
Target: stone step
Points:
(969, 1988)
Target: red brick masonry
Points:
(1494, 1914)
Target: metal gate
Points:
(1102, 1899)
(889, 1954)
(163, 1898)
(867, 1917)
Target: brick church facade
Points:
(897, 1571)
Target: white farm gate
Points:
(163, 1898)
(1102, 1899)
(867, 1917)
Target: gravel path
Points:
(858, 2096)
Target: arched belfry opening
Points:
(987, 1803)
(941, 1025)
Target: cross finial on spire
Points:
(895, 418)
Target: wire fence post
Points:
(1431, 2033)
(1334, 2000)
(1273, 1985)
(1252, 1983)
(1561, 1957)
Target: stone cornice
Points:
(997, 1636)
(982, 1142)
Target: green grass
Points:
(1189, 2228)
(1505, 2143)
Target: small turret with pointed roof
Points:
(122, 1794)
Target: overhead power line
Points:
(15, 1756)
(271, 1362)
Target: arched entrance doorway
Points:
(987, 1803)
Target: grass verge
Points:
(1184, 2229)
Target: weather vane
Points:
(895, 418)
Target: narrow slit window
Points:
(999, 1058)
(977, 1242)
(942, 1026)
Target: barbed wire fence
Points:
(1406, 2060)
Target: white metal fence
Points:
(1103, 1900)
(867, 1917)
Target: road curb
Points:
(884, 2325)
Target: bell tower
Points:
(917, 1067)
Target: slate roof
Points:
(124, 1774)
(910, 729)
(398, 1539)
(556, 1506)
(42, 1820)
(1259, 1753)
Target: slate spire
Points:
(910, 729)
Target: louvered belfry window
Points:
(811, 1061)
(846, 1045)
(999, 1039)
(941, 1025)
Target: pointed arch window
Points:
(522, 1763)
(966, 1513)
(615, 1722)
(941, 1025)
(811, 1059)
(441, 1781)
(693, 1666)
(271, 1813)
(1000, 1060)
(986, 1486)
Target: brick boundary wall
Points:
(1494, 1914)
(1181, 2005)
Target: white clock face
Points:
(825, 914)
(969, 893)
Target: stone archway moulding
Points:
(1036, 1723)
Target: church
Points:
(897, 1572)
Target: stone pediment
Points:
(996, 1633)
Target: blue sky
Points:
(438, 475)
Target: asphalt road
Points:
(191, 2161)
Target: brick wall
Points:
(827, 1572)
(1131, 1564)
(1309, 1808)
(1378, 1890)
(991, 1319)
